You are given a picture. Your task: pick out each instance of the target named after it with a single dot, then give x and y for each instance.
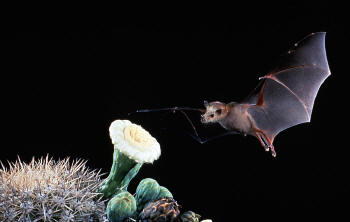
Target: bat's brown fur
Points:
(234, 117)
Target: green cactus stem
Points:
(121, 207)
(122, 172)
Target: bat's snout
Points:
(208, 117)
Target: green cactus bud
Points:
(164, 193)
(121, 206)
(147, 190)
(190, 216)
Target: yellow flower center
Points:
(138, 137)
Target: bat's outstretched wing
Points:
(285, 96)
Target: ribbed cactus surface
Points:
(48, 190)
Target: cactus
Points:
(121, 207)
(48, 190)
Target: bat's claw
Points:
(273, 152)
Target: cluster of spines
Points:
(48, 190)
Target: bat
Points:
(283, 98)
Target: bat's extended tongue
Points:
(169, 109)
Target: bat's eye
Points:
(211, 115)
(218, 111)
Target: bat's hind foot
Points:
(272, 149)
(267, 148)
(266, 143)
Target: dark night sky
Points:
(73, 78)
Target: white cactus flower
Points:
(134, 141)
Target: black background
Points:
(74, 77)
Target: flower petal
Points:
(134, 141)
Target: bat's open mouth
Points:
(206, 121)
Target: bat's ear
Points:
(206, 103)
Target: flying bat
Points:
(283, 98)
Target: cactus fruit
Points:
(190, 216)
(121, 207)
(164, 209)
(48, 190)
